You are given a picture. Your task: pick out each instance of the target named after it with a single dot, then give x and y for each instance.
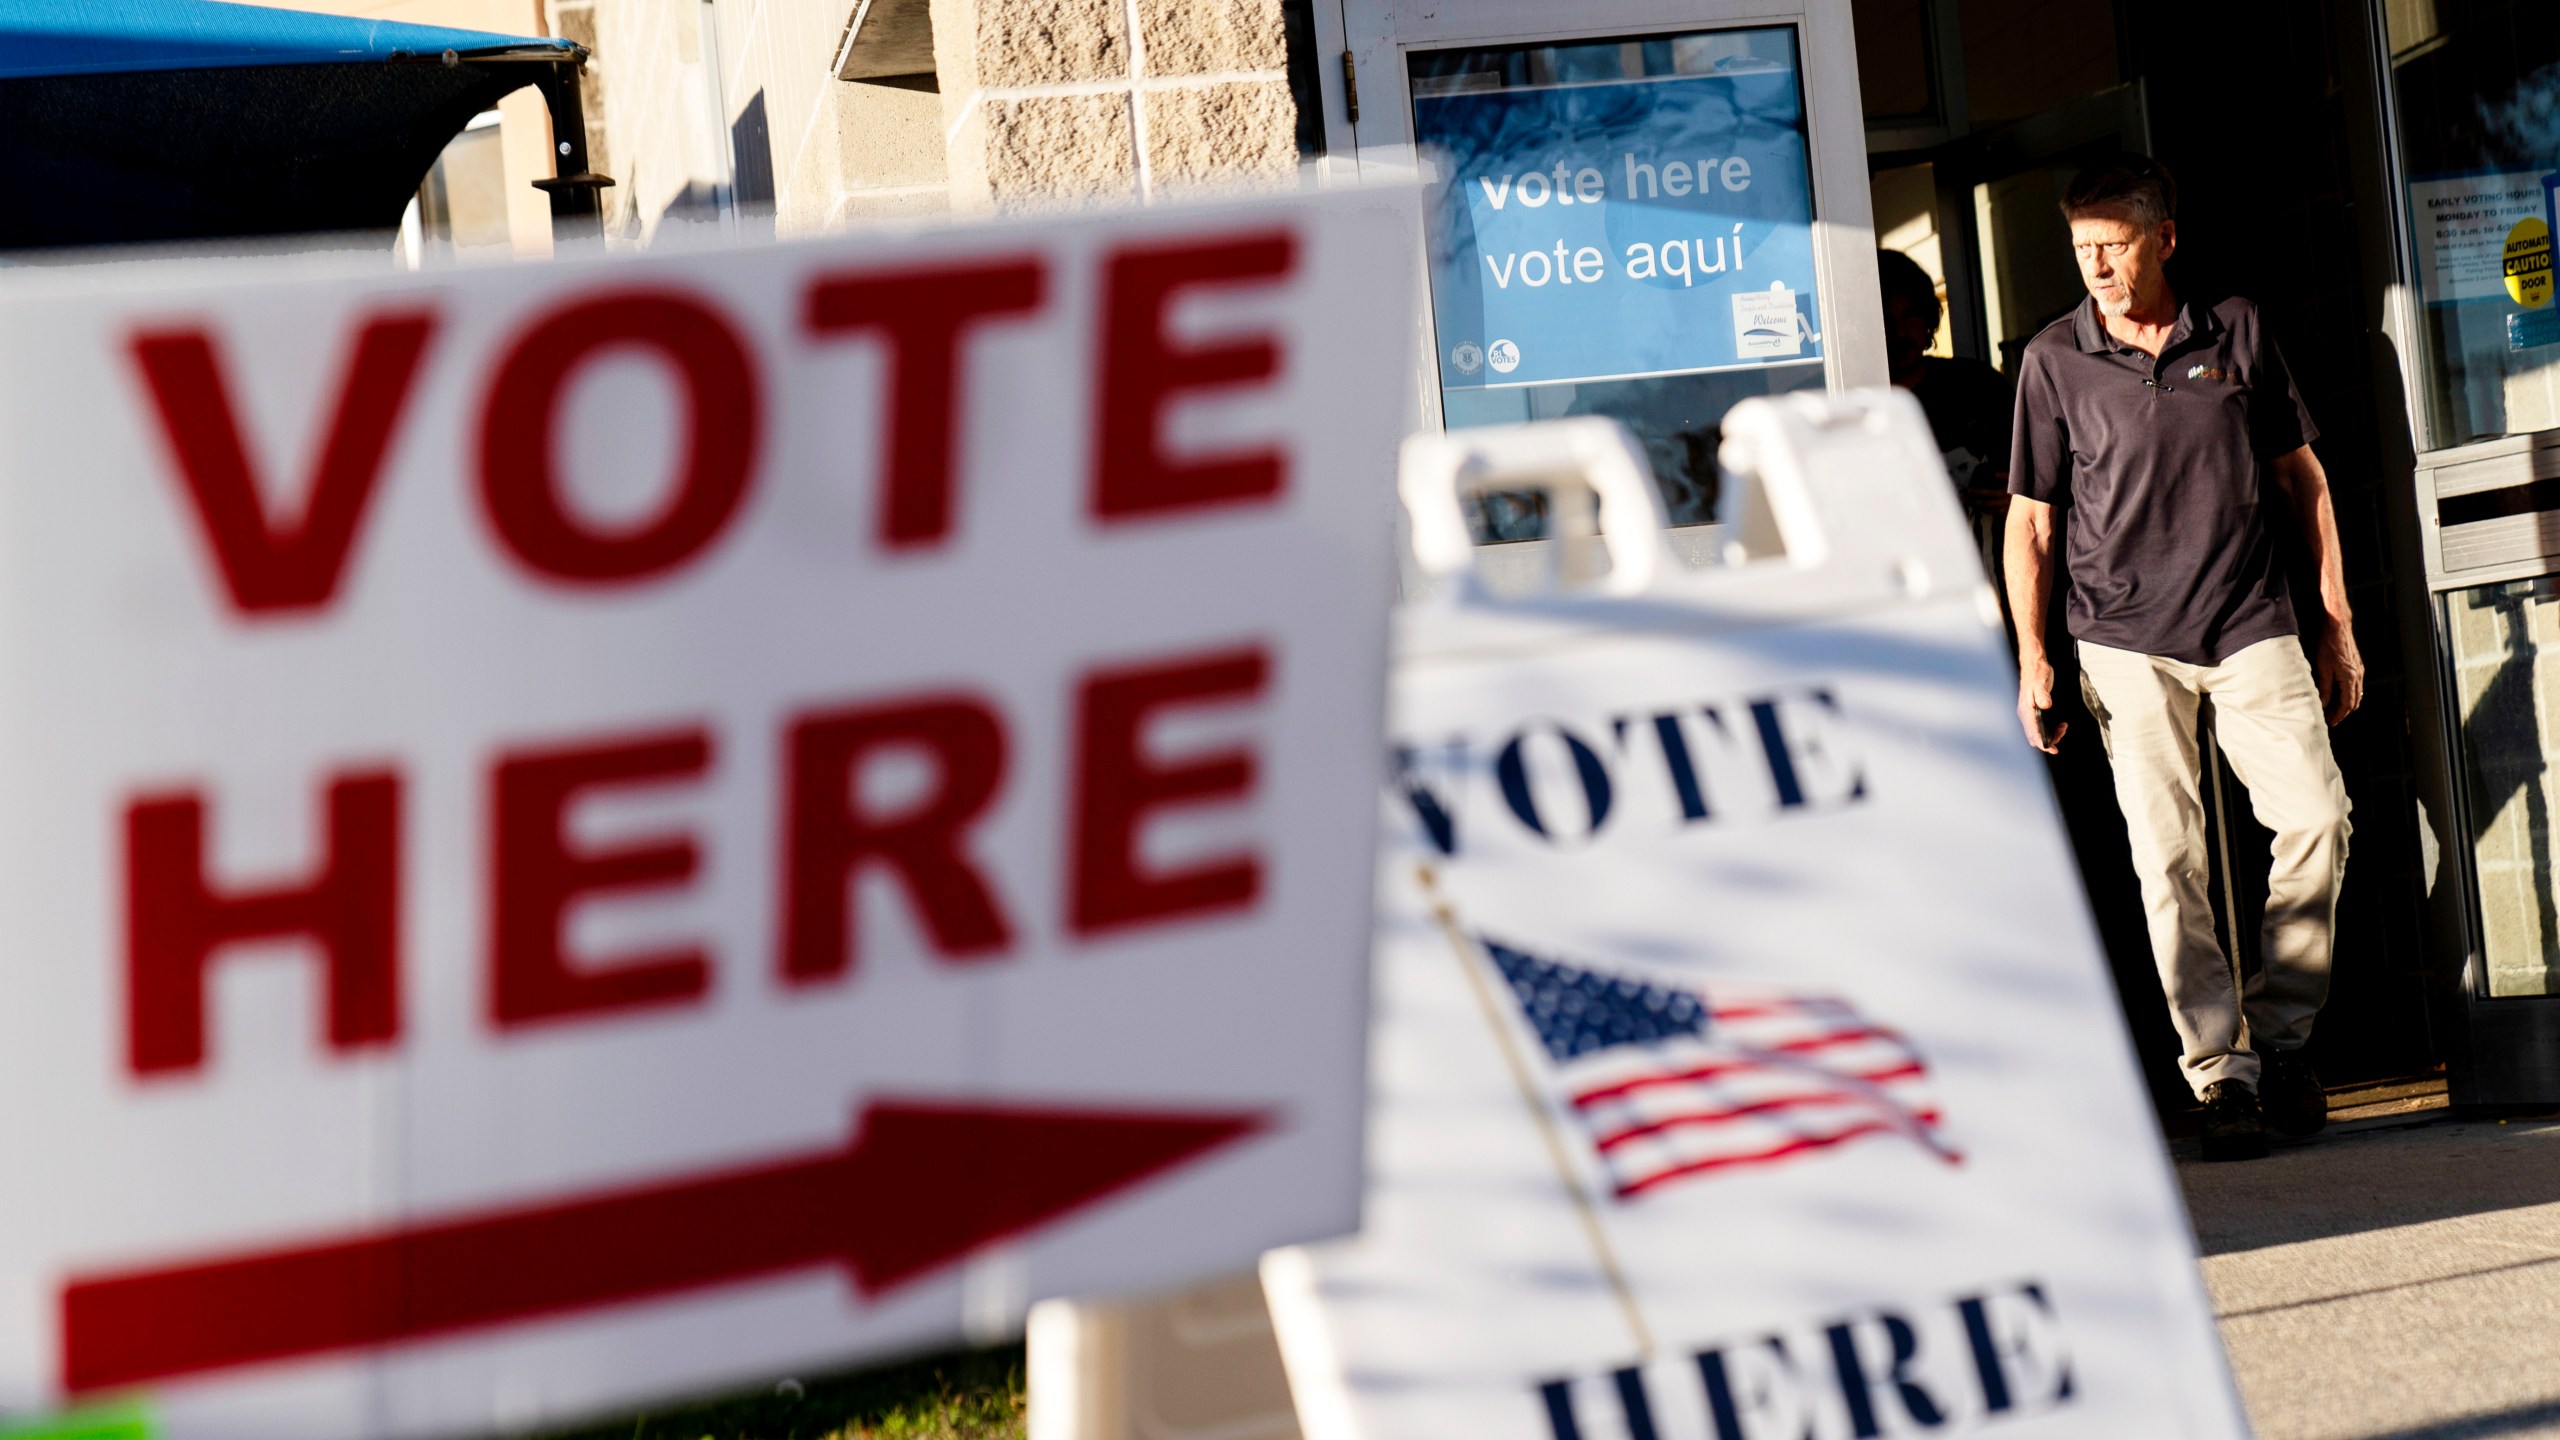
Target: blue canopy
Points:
(134, 120)
(105, 37)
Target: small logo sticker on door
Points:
(1468, 357)
(1503, 356)
(1764, 323)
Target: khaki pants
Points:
(2267, 719)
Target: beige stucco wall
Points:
(649, 105)
(874, 152)
(1039, 102)
(671, 79)
(1034, 102)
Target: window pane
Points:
(1620, 228)
(2479, 93)
(2506, 649)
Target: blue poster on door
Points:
(1622, 228)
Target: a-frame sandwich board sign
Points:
(1745, 1065)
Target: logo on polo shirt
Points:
(2208, 372)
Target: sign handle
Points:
(1588, 454)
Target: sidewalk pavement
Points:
(2397, 1278)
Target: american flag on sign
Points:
(1673, 1083)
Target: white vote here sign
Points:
(576, 833)
(1746, 1068)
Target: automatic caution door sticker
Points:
(2528, 263)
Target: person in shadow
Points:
(1967, 401)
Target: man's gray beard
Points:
(2114, 309)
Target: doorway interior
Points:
(1978, 112)
(1974, 114)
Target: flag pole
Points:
(1464, 949)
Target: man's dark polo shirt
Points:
(2157, 466)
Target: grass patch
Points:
(964, 1395)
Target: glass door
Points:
(1621, 228)
(2506, 653)
(2474, 90)
(2477, 89)
(1632, 221)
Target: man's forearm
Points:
(2322, 523)
(2028, 548)
(2334, 660)
(2307, 485)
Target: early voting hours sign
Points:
(1592, 230)
(579, 833)
(1746, 1066)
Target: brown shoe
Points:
(2290, 1096)
(2232, 1127)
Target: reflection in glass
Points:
(2478, 84)
(2506, 655)
(1569, 181)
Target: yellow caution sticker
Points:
(2529, 263)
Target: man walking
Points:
(2148, 426)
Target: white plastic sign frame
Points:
(579, 833)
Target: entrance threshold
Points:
(2387, 1099)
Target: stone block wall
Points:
(875, 153)
(1074, 101)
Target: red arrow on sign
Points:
(918, 1187)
